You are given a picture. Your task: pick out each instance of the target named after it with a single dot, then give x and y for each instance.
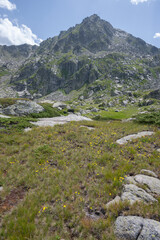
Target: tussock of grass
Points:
(67, 169)
(152, 117)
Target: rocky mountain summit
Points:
(79, 57)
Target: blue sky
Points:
(31, 21)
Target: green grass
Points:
(66, 171)
(3, 72)
(122, 114)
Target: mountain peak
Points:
(92, 18)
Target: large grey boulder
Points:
(137, 228)
(132, 193)
(59, 105)
(23, 107)
(151, 182)
(128, 228)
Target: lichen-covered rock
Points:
(23, 107)
(151, 182)
(137, 228)
(128, 228)
(116, 200)
(149, 173)
(132, 193)
(130, 180)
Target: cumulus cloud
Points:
(7, 5)
(15, 35)
(138, 1)
(157, 35)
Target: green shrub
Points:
(150, 118)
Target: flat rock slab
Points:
(137, 228)
(133, 136)
(89, 128)
(151, 182)
(44, 122)
(4, 116)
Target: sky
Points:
(32, 21)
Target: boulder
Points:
(137, 228)
(128, 227)
(149, 173)
(116, 200)
(59, 105)
(130, 180)
(94, 110)
(151, 182)
(23, 107)
(132, 193)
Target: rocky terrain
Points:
(80, 137)
(92, 57)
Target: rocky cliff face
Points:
(90, 51)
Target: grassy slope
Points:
(61, 173)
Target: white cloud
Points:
(157, 35)
(15, 35)
(138, 1)
(7, 4)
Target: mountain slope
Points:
(90, 51)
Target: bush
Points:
(150, 118)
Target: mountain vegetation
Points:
(94, 179)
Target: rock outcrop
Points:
(133, 227)
(91, 51)
(22, 108)
(137, 228)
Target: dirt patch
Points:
(12, 199)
